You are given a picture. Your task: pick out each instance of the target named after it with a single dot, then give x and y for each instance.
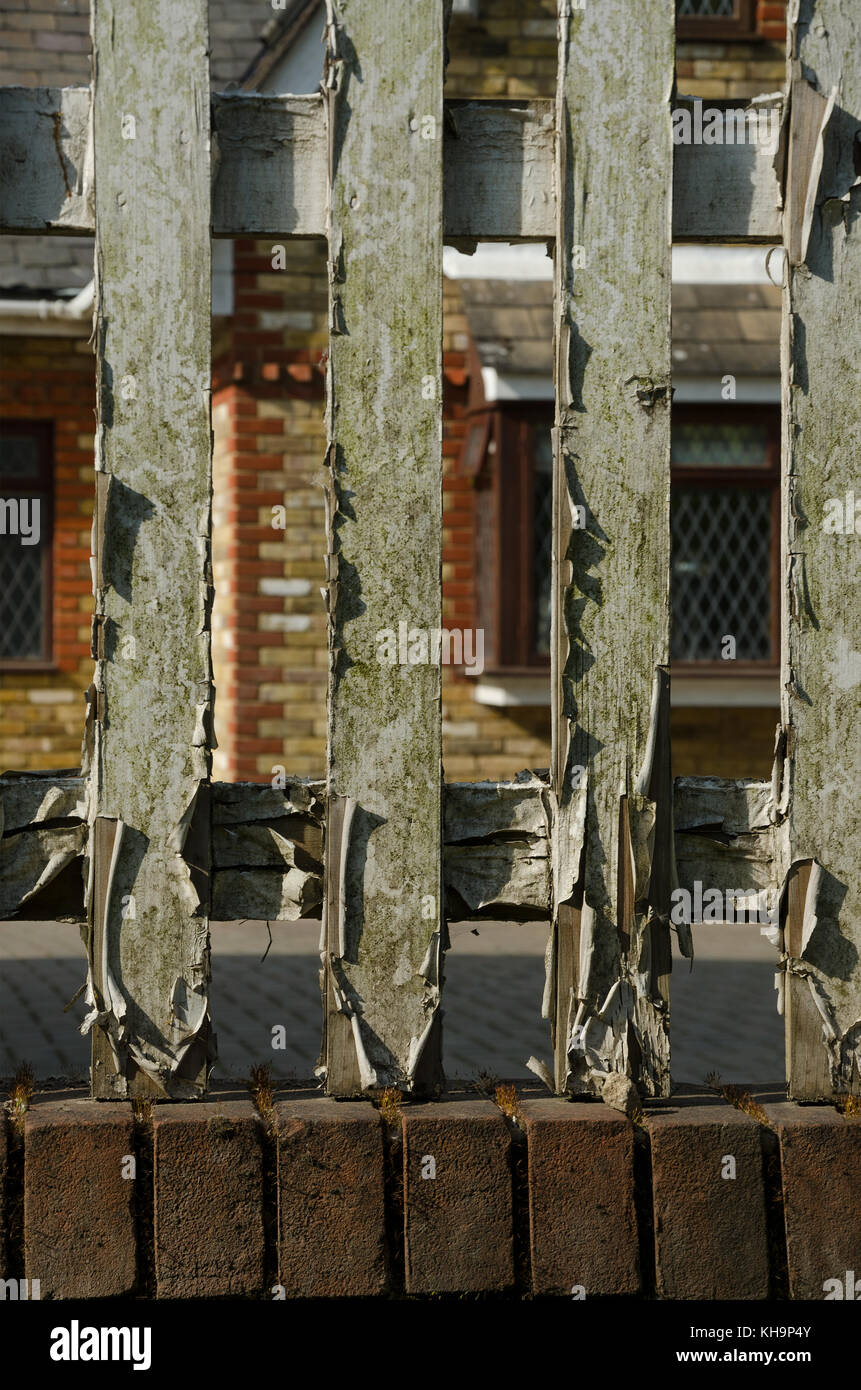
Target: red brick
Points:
(583, 1225)
(331, 1188)
(458, 1226)
(79, 1235)
(208, 1164)
(710, 1232)
(820, 1155)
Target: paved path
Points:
(724, 1014)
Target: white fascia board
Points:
(501, 386)
(734, 692)
(704, 692)
(725, 265)
(516, 387)
(692, 265)
(707, 390)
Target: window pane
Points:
(721, 572)
(542, 538)
(22, 636)
(19, 457)
(706, 444)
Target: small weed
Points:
(260, 1086)
(849, 1106)
(21, 1094)
(740, 1098)
(507, 1099)
(142, 1108)
(486, 1084)
(390, 1102)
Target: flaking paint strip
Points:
(346, 833)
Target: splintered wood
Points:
(819, 771)
(384, 933)
(149, 726)
(611, 799)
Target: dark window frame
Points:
(507, 470)
(43, 432)
(701, 28)
(765, 476)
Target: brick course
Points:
(343, 1221)
(458, 1224)
(208, 1166)
(710, 1230)
(79, 1233)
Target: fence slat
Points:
(151, 704)
(612, 790)
(821, 681)
(384, 922)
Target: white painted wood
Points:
(498, 170)
(612, 789)
(819, 773)
(269, 164)
(151, 712)
(385, 928)
(269, 171)
(45, 160)
(728, 192)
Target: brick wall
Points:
(42, 712)
(538, 1196)
(269, 619)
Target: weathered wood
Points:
(724, 835)
(151, 708)
(46, 182)
(498, 170)
(385, 925)
(269, 171)
(728, 192)
(820, 770)
(495, 855)
(612, 789)
(269, 166)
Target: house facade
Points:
(269, 344)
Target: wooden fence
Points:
(386, 170)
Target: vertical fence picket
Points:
(818, 771)
(150, 710)
(612, 792)
(384, 924)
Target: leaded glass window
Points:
(723, 520)
(721, 572)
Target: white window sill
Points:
(688, 690)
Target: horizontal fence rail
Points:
(267, 847)
(269, 162)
